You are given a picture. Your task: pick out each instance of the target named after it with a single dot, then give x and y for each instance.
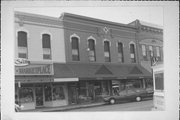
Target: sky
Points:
(125, 15)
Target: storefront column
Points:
(87, 84)
(51, 91)
(43, 95)
(66, 93)
(110, 87)
(34, 94)
(144, 83)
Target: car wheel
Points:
(138, 99)
(112, 101)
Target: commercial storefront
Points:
(60, 84)
(96, 80)
(35, 87)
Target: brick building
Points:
(75, 59)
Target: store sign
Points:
(21, 62)
(34, 70)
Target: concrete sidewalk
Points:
(64, 108)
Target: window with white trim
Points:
(22, 44)
(151, 51)
(91, 50)
(75, 48)
(132, 53)
(120, 52)
(107, 51)
(144, 52)
(158, 53)
(46, 44)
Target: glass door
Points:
(39, 96)
(72, 95)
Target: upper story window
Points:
(120, 52)
(132, 53)
(75, 48)
(158, 53)
(107, 51)
(91, 50)
(22, 44)
(144, 52)
(46, 44)
(151, 53)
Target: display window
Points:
(26, 95)
(48, 93)
(58, 93)
(98, 88)
(105, 89)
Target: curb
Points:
(65, 108)
(72, 108)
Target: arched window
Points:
(151, 53)
(22, 44)
(46, 44)
(120, 52)
(75, 48)
(91, 50)
(107, 51)
(132, 53)
(158, 53)
(144, 52)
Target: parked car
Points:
(129, 94)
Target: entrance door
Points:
(91, 91)
(39, 96)
(72, 95)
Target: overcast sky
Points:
(124, 15)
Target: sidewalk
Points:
(64, 108)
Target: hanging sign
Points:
(21, 62)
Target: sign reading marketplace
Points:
(34, 70)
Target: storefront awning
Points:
(33, 79)
(65, 79)
(90, 71)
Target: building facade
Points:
(150, 43)
(74, 59)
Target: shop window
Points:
(46, 44)
(48, 93)
(58, 93)
(22, 44)
(75, 48)
(98, 88)
(132, 53)
(144, 52)
(82, 89)
(149, 83)
(107, 51)
(159, 81)
(120, 52)
(132, 84)
(26, 95)
(105, 90)
(91, 50)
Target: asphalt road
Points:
(125, 106)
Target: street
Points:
(125, 106)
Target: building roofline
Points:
(144, 23)
(65, 14)
(150, 24)
(37, 15)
